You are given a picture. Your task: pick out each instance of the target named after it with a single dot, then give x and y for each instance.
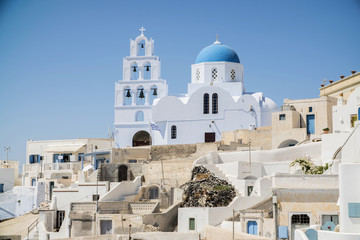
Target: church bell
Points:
(155, 92)
(141, 95)
(147, 68)
(134, 70)
(142, 45)
(128, 95)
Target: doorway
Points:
(141, 138)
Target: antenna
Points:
(7, 150)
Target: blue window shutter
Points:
(31, 159)
(354, 210)
(38, 158)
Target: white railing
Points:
(74, 166)
(35, 167)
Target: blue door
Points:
(310, 124)
(33, 182)
(252, 227)
(358, 114)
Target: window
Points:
(330, 218)
(34, 158)
(191, 223)
(197, 75)
(105, 227)
(210, 137)
(300, 219)
(214, 103)
(60, 215)
(206, 103)
(310, 109)
(282, 117)
(79, 156)
(353, 119)
(232, 75)
(65, 157)
(249, 190)
(95, 197)
(214, 74)
(173, 132)
(134, 72)
(139, 116)
(153, 193)
(1, 187)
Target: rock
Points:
(206, 190)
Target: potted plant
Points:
(326, 130)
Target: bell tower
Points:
(136, 93)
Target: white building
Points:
(216, 100)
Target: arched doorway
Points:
(141, 138)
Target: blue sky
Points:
(59, 59)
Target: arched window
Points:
(134, 72)
(206, 103)
(153, 94)
(127, 96)
(139, 116)
(214, 103)
(140, 96)
(197, 75)
(232, 75)
(147, 71)
(173, 132)
(141, 48)
(214, 73)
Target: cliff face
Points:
(206, 190)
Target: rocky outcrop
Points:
(206, 190)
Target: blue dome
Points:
(217, 53)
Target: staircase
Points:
(33, 231)
(220, 174)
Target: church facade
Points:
(216, 100)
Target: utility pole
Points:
(129, 230)
(250, 156)
(233, 218)
(7, 149)
(275, 213)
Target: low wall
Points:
(166, 221)
(327, 235)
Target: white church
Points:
(216, 100)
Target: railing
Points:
(32, 226)
(35, 167)
(74, 166)
(83, 206)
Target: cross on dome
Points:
(217, 40)
(142, 29)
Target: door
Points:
(210, 137)
(252, 227)
(310, 124)
(51, 187)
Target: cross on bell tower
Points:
(142, 29)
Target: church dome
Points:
(217, 52)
